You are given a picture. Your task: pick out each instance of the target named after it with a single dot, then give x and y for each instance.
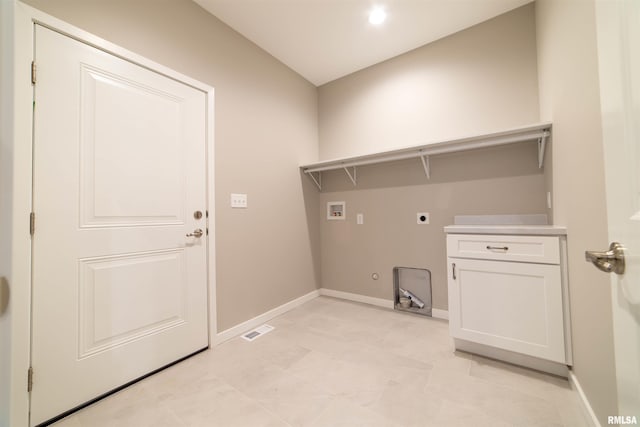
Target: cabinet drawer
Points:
(535, 249)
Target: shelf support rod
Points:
(426, 165)
(542, 143)
(351, 177)
(318, 181)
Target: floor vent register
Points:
(258, 332)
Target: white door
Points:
(119, 290)
(619, 58)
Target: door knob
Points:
(196, 233)
(609, 261)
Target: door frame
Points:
(24, 18)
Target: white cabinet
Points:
(506, 292)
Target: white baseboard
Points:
(436, 313)
(386, 303)
(586, 406)
(243, 327)
(380, 302)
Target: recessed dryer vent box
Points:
(415, 284)
(336, 211)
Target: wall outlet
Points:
(423, 218)
(239, 201)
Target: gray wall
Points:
(489, 181)
(479, 80)
(483, 79)
(569, 96)
(265, 127)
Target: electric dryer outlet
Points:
(423, 218)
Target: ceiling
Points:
(324, 40)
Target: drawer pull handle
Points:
(453, 270)
(498, 248)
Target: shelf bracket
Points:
(351, 177)
(542, 143)
(318, 181)
(426, 165)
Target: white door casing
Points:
(618, 32)
(119, 290)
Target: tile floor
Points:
(332, 363)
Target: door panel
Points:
(618, 35)
(114, 304)
(119, 290)
(119, 143)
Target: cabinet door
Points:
(508, 305)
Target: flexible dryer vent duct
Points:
(417, 301)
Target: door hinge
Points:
(32, 223)
(30, 379)
(33, 72)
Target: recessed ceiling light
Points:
(377, 16)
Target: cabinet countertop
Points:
(536, 230)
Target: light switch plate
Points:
(360, 219)
(239, 201)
